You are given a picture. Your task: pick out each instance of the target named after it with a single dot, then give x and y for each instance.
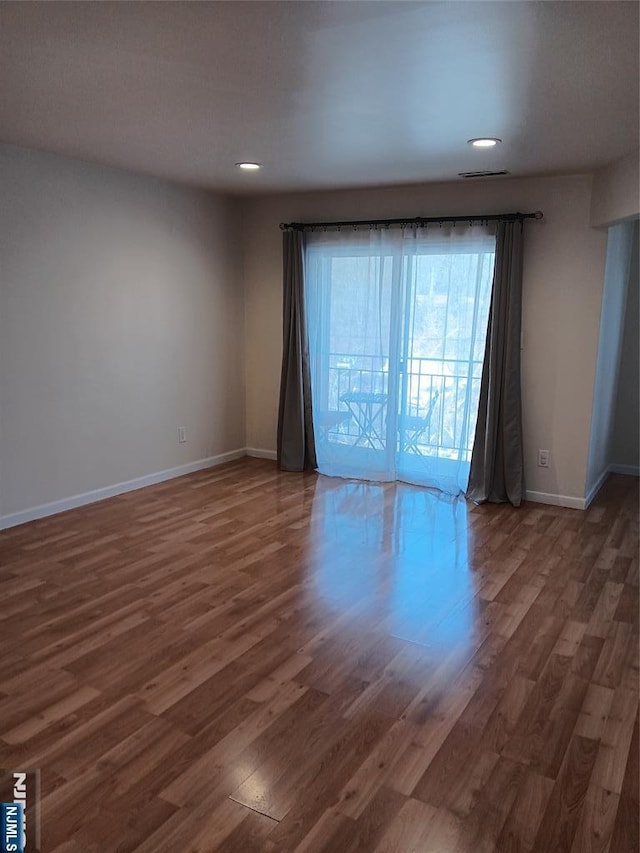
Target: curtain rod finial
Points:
(538, 214)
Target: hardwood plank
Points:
(566, 803)
(408, 830)
(339, 763)
(615, 741)
(202, 771)
(371, 775)
(246, 660)
(520, 828)
(595, 827)
(482, 828)
(367, 831)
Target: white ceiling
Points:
(324, 94)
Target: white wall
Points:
(625, 441)
(563, 277)
(121, 319)
(616, 191)
(614, 296)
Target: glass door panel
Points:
(445, 319)
(397, 330)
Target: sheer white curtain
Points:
(397, 323)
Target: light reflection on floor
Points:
(397, 553)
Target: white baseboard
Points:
(261, 454)
(612, 469)
(568, 501)
(118, 489)
(630, 470)
(583, 503)
(593, 491)
(13, 519)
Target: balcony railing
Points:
(455, 384)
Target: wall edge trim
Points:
(593, 491)
(551, 499)
(260, 453)
(629, 470)
(95, 495)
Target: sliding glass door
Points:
(397, 323)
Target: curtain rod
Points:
(416, 220)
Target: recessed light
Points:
(483, 174)
(249, 167)
(484, 141)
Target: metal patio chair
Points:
(413, 427)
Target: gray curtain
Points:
(497, 462)
(296, 446)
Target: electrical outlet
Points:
(543, 458)
(182, 435)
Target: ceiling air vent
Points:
(482, 174)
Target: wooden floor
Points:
(244, 660)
